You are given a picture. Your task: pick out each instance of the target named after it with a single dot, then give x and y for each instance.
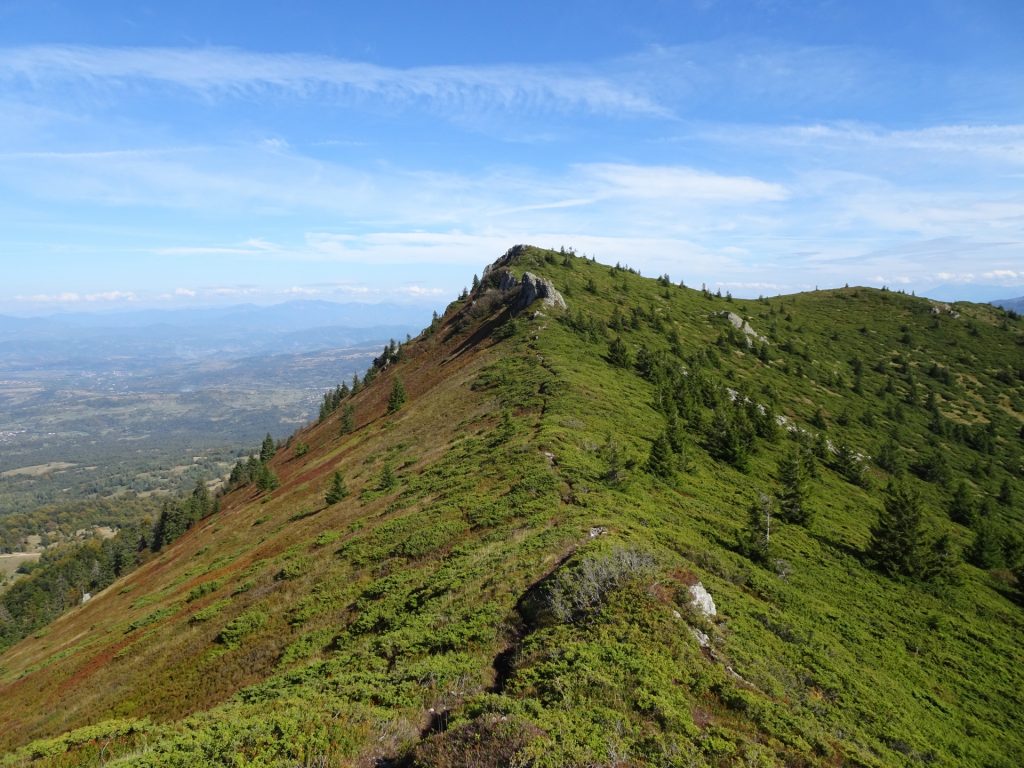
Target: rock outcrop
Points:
(701, 600)
(532, 288)
(527, 290)
(742, 325)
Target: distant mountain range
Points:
(232, 332)
(977, 293)
(1017, 305)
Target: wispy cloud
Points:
(677, 184)
(73, 297)
(233, 72)
(955, 142)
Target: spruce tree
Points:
(387, 479)
(618, 354)
(792, 495)
(987, 549)
(199, 503)
(898, 541)
(397, 397)
(756, 538)
(268, 449)
(1005, 496)
(661, 461)
(347, 418)
(337, 490)
(961, 508)
(888, 457)
(266, 480)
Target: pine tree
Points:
(888, 457)
(239, 475)
(941, 562)
(1006, 493)
(793, 493)
(961, 508)
(850, 465)
(397, 397)
(676, 434)
(387, 479)
(266, 480)
(730, 437)
(756, 538)
(268, 449)
(337, 490)
(661, 462)
(987, 549)
(898, 542)
(199, 503)
(618, 354)
(347, 418)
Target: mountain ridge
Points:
(510, 574)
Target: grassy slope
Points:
(332, 633)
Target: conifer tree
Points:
(397, 398)
(268, 449)
(618, 354)
(898, 542)
(1005, 496)
(239, 475)
(888, 457)
(337, 489)
(961, 508)
(793, 493)
(851, 466)
(266, 480)
(756, 538)
(347, 418)
(661, 462)
(987, 549)
(199, 503)
(387, 480)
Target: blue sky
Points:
(187, 153)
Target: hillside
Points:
(511, 578)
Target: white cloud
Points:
(243, 74)
(676, 184)
(229, 290)
(956, 142)
(300, 290)
(74, 297)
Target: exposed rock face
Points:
(939, 308)
(526, 290)
(740, 324)
(701, 600)
(507, 281)
(532, 288)
(702, 639)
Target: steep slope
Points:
(511, 579)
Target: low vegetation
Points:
(505, 573)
